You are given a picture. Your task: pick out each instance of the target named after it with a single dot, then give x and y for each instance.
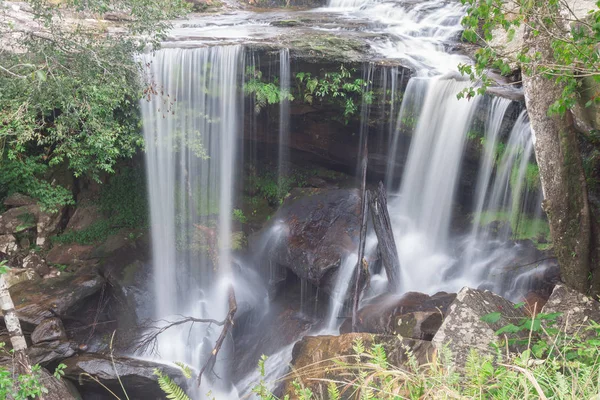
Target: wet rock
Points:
(46, 353)
(576, 309)
(83, 217)
(463, 329)
(312, 232)
(137, 375)
(411, 315)
(317, 351)
(8, 245)
(48, 330)
(47, 298)
(66, 254)
(36, 263)
(15, 276)
(18, 200)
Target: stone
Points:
(137, 375)
(18, 200)
(58, 389)
(69, 253)
(318, 352)
(411, 315)
(576, 310)
(8, 245)
(463, 330)
(48, 330)
(47, 225)
(37, 263)
(312, 233)
(46, 353)
(83, 217)
(15, 276)
(47, 298)
(18, 219)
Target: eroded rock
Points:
(47, 298)
(46, 353)
(137, 375)
(463, 329)
(37, 263)
(48, 330)
(8, 245)
(576, 309)
(411, 315)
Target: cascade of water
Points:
(284, 115)
(191, 125)
(365, 112)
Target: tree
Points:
(69, 87)
(559, 47)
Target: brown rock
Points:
(38, 300)
(66, 254)
(19, 219)
(83, 217)
(48, 330)
(411, 315)
(47, 225)
(534, 302)
(18, 200)
(312, 357)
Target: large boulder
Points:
(83, 217)
(136, 375)
(69, 253)
(411, 315)
(19, 219)
(576, 310)
(313, 358)
(47, 353)
(463, 328)
(48, 330)
(47, 298)
(312, 232)
(18, 200)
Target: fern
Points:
(187, 372)
(333, 391)
(171, 389)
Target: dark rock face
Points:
(47, 353)
(67, 254)
(38, 300)
(463, 329)
(575, 307)
(315, 230)
(412, 315)
(48, 330)
(83, 217)
(319, 350)
(137, 375)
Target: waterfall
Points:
(284, 116)
(191, 122)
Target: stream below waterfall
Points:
(200, 144)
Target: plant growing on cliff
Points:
(70, 88)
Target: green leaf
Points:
(492, 318)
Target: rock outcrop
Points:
(464, 330)
(312, 232)
(576, 310)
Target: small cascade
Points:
(284, 116)
(191, 123)
(422, 212)
(365, 112)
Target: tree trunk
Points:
(22, 364)
(385, 235)
(561, 173)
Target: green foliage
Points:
(170, 388)
(573, 44)
(124, 203)
(338, 88)
(69, 96)
(24, 386)
(239, 216)
(264, 92)
(522, 226)
(274, 188)
(27, 176)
